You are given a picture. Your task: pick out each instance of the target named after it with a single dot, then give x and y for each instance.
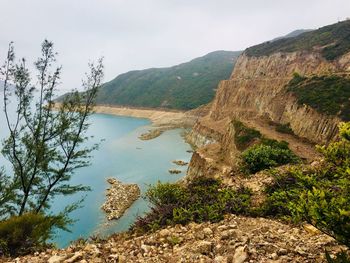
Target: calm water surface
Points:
(124, 156)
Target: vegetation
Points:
(44, 148)
(244, 136)
(318, 195)
(341, 257)
(27, 233)
(267, 154)
(326, 94)
(185, 86)
(202, 200)
(284, 128)
(334, 40)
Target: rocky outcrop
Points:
(235, 239)
(119, 198)
(257, 90)
(256, 95)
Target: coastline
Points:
(158, 117)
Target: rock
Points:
(174, 171)
(203, 247)
(119, 198)
(220, 259)
(77, 255)
(207, 232)
(240, 255)
(164, 232)
(56, 259)
(274, 256)
(311, 229)
(180, 162)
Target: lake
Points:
(123, 156)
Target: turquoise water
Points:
(124, 156)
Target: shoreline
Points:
(158, 117)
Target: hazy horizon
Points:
(134, 35)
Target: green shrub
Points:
(341, 257)
(202, 200)
(244, 136)
(270, 153)
(284, 128)
(326, 94)
(318, 195)
(26, 233)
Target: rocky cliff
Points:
(257, 95)
(257, 90)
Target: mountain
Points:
(185, 86)
(332, 42)
(294, 33)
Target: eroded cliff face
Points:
(256, 89)
(256, 94)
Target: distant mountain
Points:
(331, 41)
(185, 86)
(294, 33)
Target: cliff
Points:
(257, 89)
(257, 95)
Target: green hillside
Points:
(185, 86)
(333, 41)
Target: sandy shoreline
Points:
(157, 117)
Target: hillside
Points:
(293, 34)
(287, 83)
(331, 41)
(185, 86)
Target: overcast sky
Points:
(138, 34)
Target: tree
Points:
(46, 141)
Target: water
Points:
(124, 156)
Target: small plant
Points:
(318, 195)
(341, 257)
(268, 154)
(284, 128)
(26, 233)
(174, 240)
(244, 136)
(202, 200)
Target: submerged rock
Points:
(174, 171)
(119, 198)
(180, 162)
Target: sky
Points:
(139, 34)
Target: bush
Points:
(341, 257)
(202, 200)
(244, 135)
(25, 234)
(270, 153)
(318, 195)
(284, 128)
(326, 94)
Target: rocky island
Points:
(119, 198)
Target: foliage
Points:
(202, 200)
(244, 136)
(284, 128)
(341, 257)
(334, 40)
(326, 94)
(268, 154)
(45, 144)
(318, 195)
(185, 86)
(27, 233)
